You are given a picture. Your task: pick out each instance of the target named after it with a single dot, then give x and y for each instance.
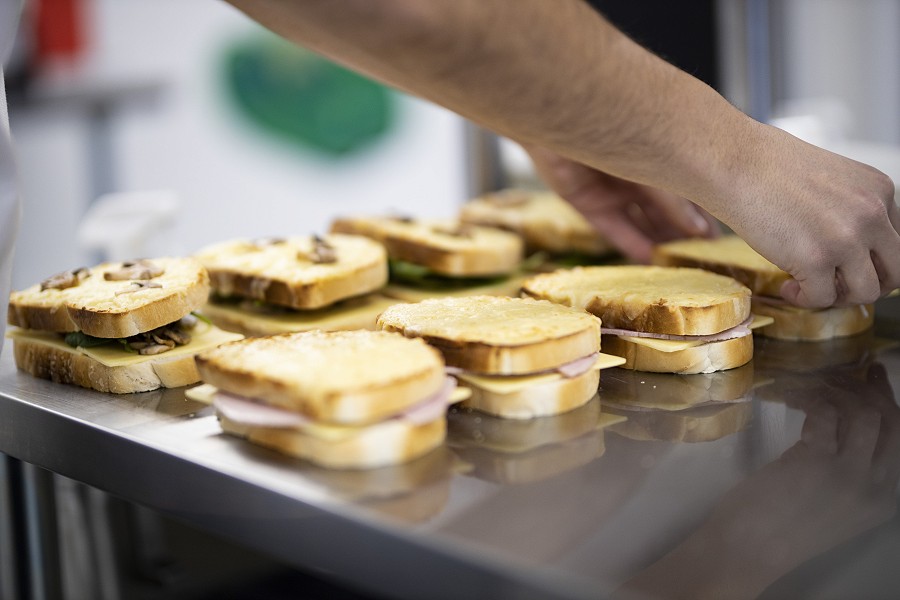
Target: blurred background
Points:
(157, 126)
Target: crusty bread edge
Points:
(73, 368)
(815, 325)
(552, 398)
(705, 358)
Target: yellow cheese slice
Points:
(662, 345)
(679, 345)
(760, 321)
(509, 384)
(203, 336)
(357, 313)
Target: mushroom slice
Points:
(137, 286)
(140, 269)
(322, 252)
(66, 279)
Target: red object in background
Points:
(60, 29)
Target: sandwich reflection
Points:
(516, 451)
(679, 408)
(836, 482)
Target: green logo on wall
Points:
(305, 99)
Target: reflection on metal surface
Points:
(703, 424)
(636, 390)
(515, 451)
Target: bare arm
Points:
(557, 75)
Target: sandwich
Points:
(659, 319)
(431, 258)
(340, 399)
(279, 285)
(518, 451)
(118, 327)
(521, 358)
(545, 221)
(732, 256)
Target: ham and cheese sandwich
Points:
(659, 319)
(522, 358)
(442, 257)
(118, 327)
(341, 399)
(279, 285)
(545, 221)
(732, 256)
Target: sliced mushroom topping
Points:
(66, 279)
(321, 253)
(460, 230)
(140, 269)
(137, 286)
(402, 218)
(154, 349)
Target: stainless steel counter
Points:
(783, 485)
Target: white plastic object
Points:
(128, 225)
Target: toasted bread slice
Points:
(732, 256)
(728, 255)
(703, 358)
(444, 246)
(252, 319)
(387, 443)
(304, 272)
(808, 325)
(112, 369)
(114, 308)
(498, 335)
(344, 377)
(665, 300)
(544, 220)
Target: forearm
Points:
(562, 78)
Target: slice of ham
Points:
(735, 332)
(248, 411)
(569, 370)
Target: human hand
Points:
(631, 216)
(829, 221)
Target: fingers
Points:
(627, 237)
(858, 281)
(672, 214)
(814, 292)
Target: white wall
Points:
(232, 180)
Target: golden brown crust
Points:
(382, 444)
(349, 377)
(477, 252)
(497, 335)
(705, 358)
(283, 274)
(728, 255)
(103, 308)
(800, 324)
(545, 221)
(71, 367)
(667, 300)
